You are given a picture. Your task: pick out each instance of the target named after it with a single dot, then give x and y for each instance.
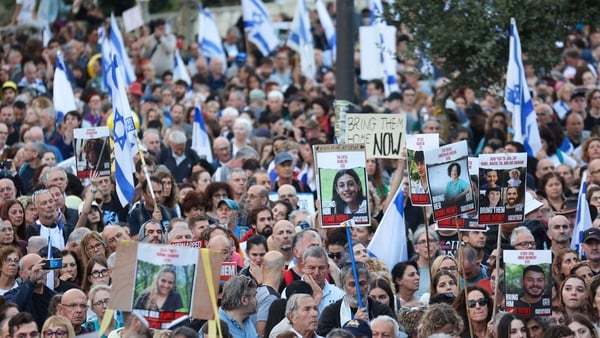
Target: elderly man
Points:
(256, 196)
(288, 193)
(522, 239)
(221, 244)
(559, 232)
(315, 267)
(348, 307)
(303, 240)
(237, 304)
(385, 327)
(73, 306)
(302, 312)
(46, 225)
(178, 157)
(33, 151)
(135, 326)
(7, 190)
(221, 151)
(112, 235)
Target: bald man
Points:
(7, 190)
(559, 232)
(288, 193)
(272, 268)
(221, 244)
(73, 306)
(282, 239)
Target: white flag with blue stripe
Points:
(200, 139)
(209, 40)
(118, 47)
(386, 47)
(389, 241)
(517, 98)
(257, 24)
(327, 25)
(301, 40)
(106, 49)
(583, 219)
(62, 94)
(180, 71)
(123, 133)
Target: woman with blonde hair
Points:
(98, 300)
(92, 245)
(161, 295)
(57, 326)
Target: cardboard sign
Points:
(92, 151)
(342, 184)
(449, 182)
(502, 188)
(418, 185)
(140, 266)
(528, 282)
(383, 134)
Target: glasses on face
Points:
(103, 302)
(75, 306)
(481, 301)
(335, 255)
(94, 247)
(11, 260)
(101, 273)
(58, 333)
(424, 242)
(452, 269)
(528, 244)
(595, 198)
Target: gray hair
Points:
(244, 122)
(53, 169)
(421, 230)
(390, 320)
(235, 170)
(306, 232)
(35, 243)
(275, 94)
(293, 303)
(339, 333)
(94, 289)
(230, 111)
(77, 235)
(516, 232)
(247, 152)
(315, 252)
(233, 291)
(178, 227)
(39, 147)
(177, 136)
(361, 269)
(297, 213)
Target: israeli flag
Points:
(583, 219)
(62, 95)
(106, 51)
(300, 40)
(180, 71)
(517, 98)
(118, 47)
(257, 24)
(209, 40)
(327, 25)
(387, 58)
(46, 34)
(123, 133)
(200, 139)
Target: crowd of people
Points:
(243, 200)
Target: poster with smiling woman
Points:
(342, 184)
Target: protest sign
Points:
(502, 188)
(415, 147)
(92, 151)
(342, 184)
(306, 200)
(383, 134)
(449, 181)
(528, 282)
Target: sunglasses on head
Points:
(335, 255)
(480, 301)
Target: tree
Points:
(471, 36)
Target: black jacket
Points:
(330, 317)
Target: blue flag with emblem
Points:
(123, 133)
(517, 98)
(118, 47)
(257, 24)
(583, 219)
(200, 139)
(209, 40)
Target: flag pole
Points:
(145, 168)
(464, 276)
(427, 240)
(498, 243)
(354, 271)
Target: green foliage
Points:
(472, 35)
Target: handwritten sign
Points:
(383, 134)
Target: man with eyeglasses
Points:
(73, 306)
(23, 325)
(521, 238)
(112, 234)
(533, 283)
(32, 295)
(559, 232)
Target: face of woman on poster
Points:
(166, 283)
(454, 173)
(347, 188)
(494, 197)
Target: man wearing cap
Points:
(9, 92)
(559, 232)
(227, 210)
(284, 167)
(591, 247)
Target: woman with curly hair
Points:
(14, 212)
(161, 294)
(440, 318)
(216, 191)
(479, 306)
(590, 150)
(170, 192)
(193, 204)
(562, 264)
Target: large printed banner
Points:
(528, 282)
(449, 181)
(92, 151)
(502, 188)
(163, 282)
(342, 184)
(383, 134)
(416, 145)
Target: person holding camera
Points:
(159, 47)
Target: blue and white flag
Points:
(123, 133)
(46, 34)
(387, 49)
(300, 40)
(105, 51)
(517, 98)
(209, 40)
(389, 241)
(62, 94)
(327, 25)
(200, 139)
(118, 47)
(583, 219)
(257, 24)
(180, 71)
